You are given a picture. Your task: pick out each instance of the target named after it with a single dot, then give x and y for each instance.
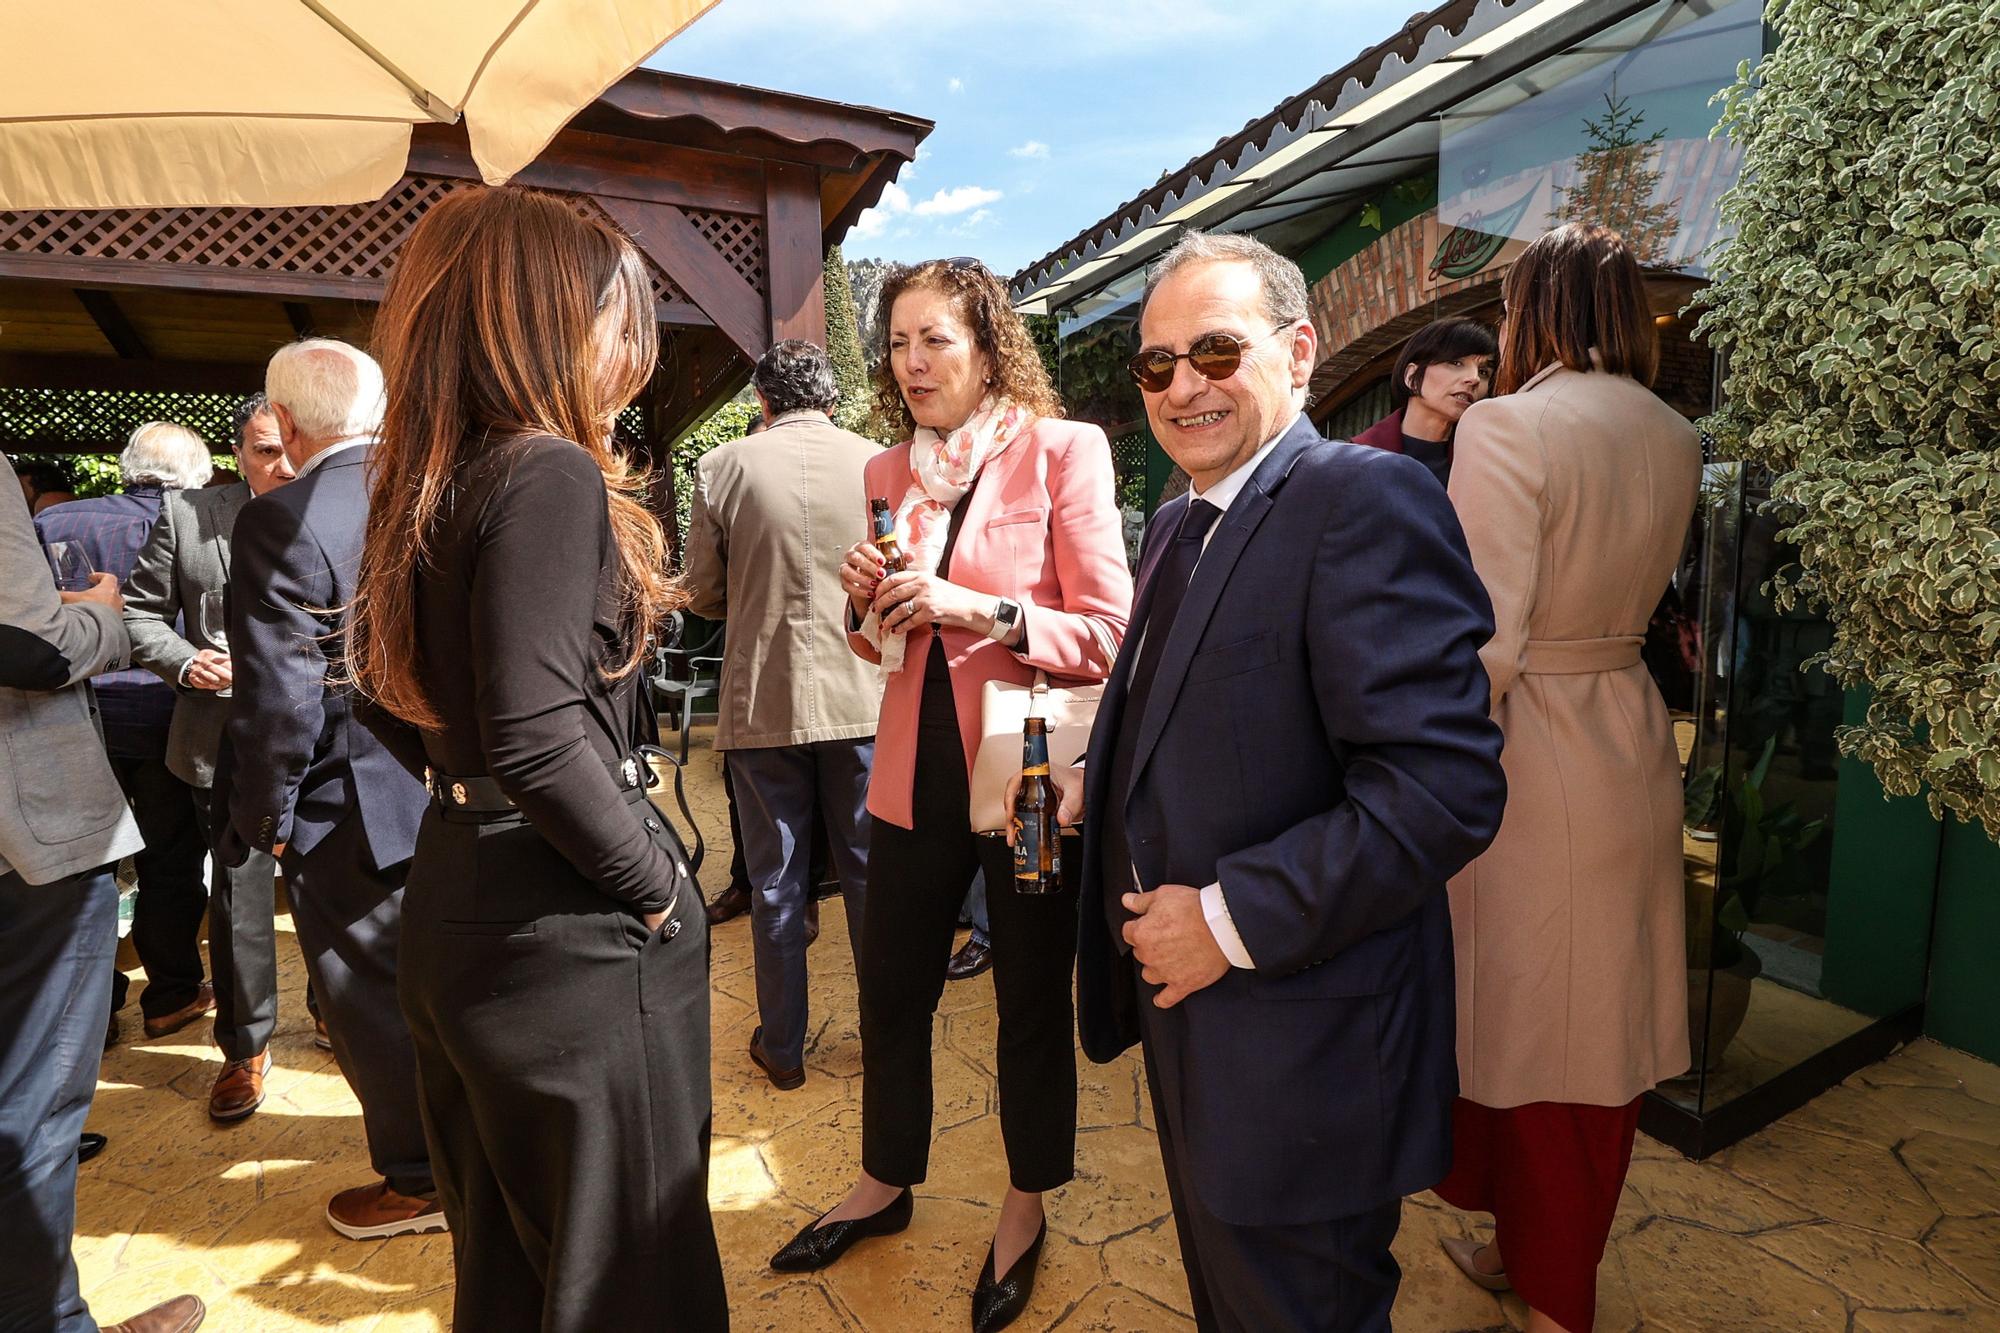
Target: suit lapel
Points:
(1103, 736)
(222, 521)
(1211, 579)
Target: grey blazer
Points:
(186, 556)
(61, 811)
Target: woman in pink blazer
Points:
(1016, 563)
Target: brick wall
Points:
(1366, 307)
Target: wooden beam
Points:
(20, 370)
(141, 274)
(102, 307)
(794, 254)
(584, 163)
(301, 317)
(684, 254)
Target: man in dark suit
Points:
(308, 783)
(1292, 756)
(185, 558)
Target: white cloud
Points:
(960, 199)
(957, 85)
(1034, 148)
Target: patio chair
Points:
(683, 673)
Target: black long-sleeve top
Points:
(517, 615)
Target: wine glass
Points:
(70, 565)
(214, 618)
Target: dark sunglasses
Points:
(1213, 356)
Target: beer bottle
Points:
(1037, 834)
(883, 520)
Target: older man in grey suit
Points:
(187, 556)
(63, 825)
(772, 518)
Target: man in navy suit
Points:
(1292, 756)
(308, 783)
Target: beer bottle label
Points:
(1027, 850)
(1036, 770)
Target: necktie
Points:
(1168, 590)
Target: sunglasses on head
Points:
(1213, 356)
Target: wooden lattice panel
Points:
(357, 241)
(87, 421)
(738, 238)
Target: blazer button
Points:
(653, 824)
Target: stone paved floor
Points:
(1876, 1209)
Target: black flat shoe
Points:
(88, 1145)
(817, 1246)
(998, 1304)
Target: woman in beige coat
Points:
(1575, 490)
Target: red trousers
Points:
(1550, 1173)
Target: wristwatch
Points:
(1005, 617)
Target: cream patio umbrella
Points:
(154, 103)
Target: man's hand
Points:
(103, 590)
(1170, 937)
(210, 670)
(1069, 781)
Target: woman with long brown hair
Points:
(1015, 564)
(1574, 485)
(554, 963)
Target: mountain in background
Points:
(865, 276)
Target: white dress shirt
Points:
(338, 446)
(1222, 495)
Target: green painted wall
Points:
(1412, 198)
(1879, 892)
(1964, 1007)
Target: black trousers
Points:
(917, 878)
(1335, 1276)
(349, 916)
(242, 943)
(564, 1059)
(166, 919)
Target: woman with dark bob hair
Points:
(1445, 367)
(1016, 565)
(554, 966)
(1575, 486)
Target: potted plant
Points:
(1759, 852)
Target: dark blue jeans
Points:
(777, 790)
(57, 941)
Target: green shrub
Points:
(1857, 313)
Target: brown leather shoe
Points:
(731, 903)
(321, 1037)
(239, 1088)
(202, 1005)
(372, 1212)
(182, 1314)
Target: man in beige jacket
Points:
(772, 517)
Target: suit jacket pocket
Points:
(1236, 658)
(71, 794)
(1019, 516)
(1370, 966)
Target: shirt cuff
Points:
(181, 677)
(1216, 911)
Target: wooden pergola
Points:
(732, 192)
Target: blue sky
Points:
(1050, 113)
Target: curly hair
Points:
(979, 300)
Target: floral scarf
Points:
(942, 470)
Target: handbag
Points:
(1004, 709)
